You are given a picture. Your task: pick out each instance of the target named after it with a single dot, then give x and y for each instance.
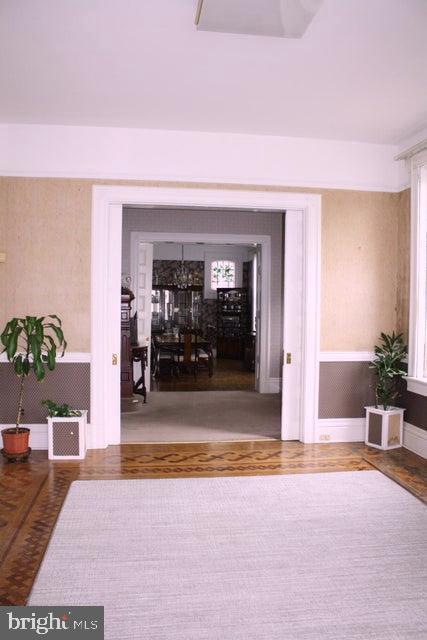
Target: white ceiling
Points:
(359, 72)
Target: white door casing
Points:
(293, 322)
(139, 238)
(258, 321)
(107, 206)
(142, 278)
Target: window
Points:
(417, 362)
(223, 274)
(223, 269)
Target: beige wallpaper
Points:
(48, 253)
(359, 268)
(47, 224)
(403, 261)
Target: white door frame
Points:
(221, 239)
(107, 208)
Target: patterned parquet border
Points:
(33, 492)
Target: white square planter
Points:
(384, 429)
(67, 437)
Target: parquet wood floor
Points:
(402, 466)
(32, 493)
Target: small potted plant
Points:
(384, 421)
(66, 431)
(31, 345)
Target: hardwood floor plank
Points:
(402, 466)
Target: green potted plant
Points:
(31, 345)
(66, 431)
(60, 410)
(384, 421)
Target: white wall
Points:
(103, 152)
(172, 251)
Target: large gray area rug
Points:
(307, 557)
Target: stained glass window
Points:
(223, 274)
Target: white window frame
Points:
(417, 379)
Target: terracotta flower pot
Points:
(15, 443)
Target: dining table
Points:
(170, 341)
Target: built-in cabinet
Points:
(232, 322)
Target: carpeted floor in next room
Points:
(202, 416)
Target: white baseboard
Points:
(340, 430)
(328, 430)
(415, 439)
(274, 385)
(38, 436)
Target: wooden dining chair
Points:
(162, 360)
(186, 357)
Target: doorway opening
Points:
(216, 287)
(212, 290)
(301, 317)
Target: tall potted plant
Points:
(384, 422)
(31, 345)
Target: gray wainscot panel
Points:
(416, 408)
(69, 382)
(345, 388)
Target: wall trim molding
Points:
(415, 439)
(39, 436)
(416, 385)
(412, 151)
(68, 357)
(353, 430)
(340, 430)
(119, 153)
(107, 206)
(212, 181)
(274, 385)
(263, 350)
(346, 356)
(336, 430)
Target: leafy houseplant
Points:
(388, 368)
(60, 410)
(384, 422)
(31, 345)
